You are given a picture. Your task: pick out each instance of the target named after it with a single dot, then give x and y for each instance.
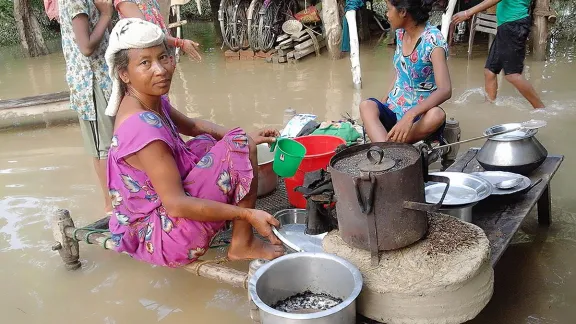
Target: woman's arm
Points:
(88, 41)
(157, 161)
(466, 14)
(130, 10)
(194, 126)
(385, 98)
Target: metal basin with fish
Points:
(330, 286)
(464, 189)
(292, 232)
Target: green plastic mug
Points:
(288, 157)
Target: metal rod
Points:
(477, 138)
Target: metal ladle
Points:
(531, 124)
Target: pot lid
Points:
(511, 136)
(378, 164)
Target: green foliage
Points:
(190, 11)
(9, 32)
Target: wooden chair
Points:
(176, 22)
(485, 23)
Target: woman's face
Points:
(395, 17)
(149, 70)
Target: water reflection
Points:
(45, 169)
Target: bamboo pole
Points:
(354, 49)
(447, 18)
(67, 246)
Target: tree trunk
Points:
(29, 30)
(332, 27)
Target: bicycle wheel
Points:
(241, 24)
(253, 19)
(225, 16)
(270, 23)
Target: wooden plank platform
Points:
(500, 217)
(35, 100)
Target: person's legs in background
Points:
(490, 85)
(513, 53)
(97, 135)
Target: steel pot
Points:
(267, 179)
(518, 151)
(383, 209)
(463, 213)
(296, 273)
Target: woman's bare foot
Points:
(255, 248)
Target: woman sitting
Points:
(171, 197)
(411, 110)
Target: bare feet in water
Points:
(255, 248)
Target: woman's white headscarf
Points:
(128, 33)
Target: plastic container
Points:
(319, 150)
(289, 154)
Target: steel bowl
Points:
(296, 273)
(292, 232)
(518, 151)
(267, 179)
(464, 189)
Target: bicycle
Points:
(233, 18)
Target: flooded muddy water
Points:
(45, 168)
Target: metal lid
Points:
(511, 136)
(376, 165)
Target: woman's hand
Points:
(460, 17)
(191, 48)
(266, 135)
(263, 222)
(400, 132)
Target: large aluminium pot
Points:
(382, 209)
(518, 151)
(267, 179)
(296, 273)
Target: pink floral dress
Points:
(213, 170)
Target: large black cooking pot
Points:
(377, 208)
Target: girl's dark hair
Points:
(121, 63)
(419, 10)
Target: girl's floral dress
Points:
(414, 73)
